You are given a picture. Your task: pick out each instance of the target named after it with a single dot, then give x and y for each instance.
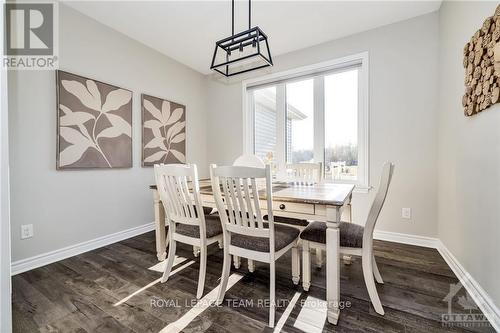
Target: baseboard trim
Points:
(27, 264)
(406, 238)
(479, 295)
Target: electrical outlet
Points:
(406, 213)
(26, 231)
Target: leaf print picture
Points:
(94, 124)
(163, 131)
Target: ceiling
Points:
(187, 30)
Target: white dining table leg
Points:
(333, 264)
(161, 237)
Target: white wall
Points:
(469, 156)
(5, 281)
(68, 207)
(403, 120)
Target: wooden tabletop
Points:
(323, 193)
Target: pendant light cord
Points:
(249, 14)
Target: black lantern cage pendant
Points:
(242, 52)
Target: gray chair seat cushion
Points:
(351, 234)
(213, 227)
(289, 220)
(283, 236)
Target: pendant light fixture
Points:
(242, 52)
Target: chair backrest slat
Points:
(236, 207)
(241, 198)
(181, 204)
(187, 196)
(225, 188)
(255, 196)
(250, 208)
(243, 208)
(378, 202)
(303, 172)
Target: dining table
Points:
(325, 202)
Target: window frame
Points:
(316, 71)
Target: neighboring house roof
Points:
(267, 99)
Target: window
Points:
(341, 125)
(299, 127)
(265, 123)
(314, 114)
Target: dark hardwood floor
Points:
(78, 294)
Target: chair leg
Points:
(237, 262)
(170, 261)
(251, 266)
(295, 265)
(226, 268)
(203, 270)
(370, 282)
(272, 296)
(376, 272)
(306, 266)
(319, 258)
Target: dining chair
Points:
(187, 220)
(303, 174)
(354, 240)
(249, 160)
(253, 161)
(245, 232)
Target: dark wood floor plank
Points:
(78, 294)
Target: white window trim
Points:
(362, 185)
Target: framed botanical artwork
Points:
(163, 131)
(94, 124)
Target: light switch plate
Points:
(26, 231)
(406, 213)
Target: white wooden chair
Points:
(249, 161)
(253, 161)
(187, 220)
(354, 240)
(303, 173)
(245, 232)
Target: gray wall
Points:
(5, 281)
(469, 156)
(69, 207)
(403, 116)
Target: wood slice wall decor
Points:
(482, 67)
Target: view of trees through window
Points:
(341, 125)
(300, 121)
(339, 133)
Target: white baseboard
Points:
(480, 296)
(73, 250)
(406, 238)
